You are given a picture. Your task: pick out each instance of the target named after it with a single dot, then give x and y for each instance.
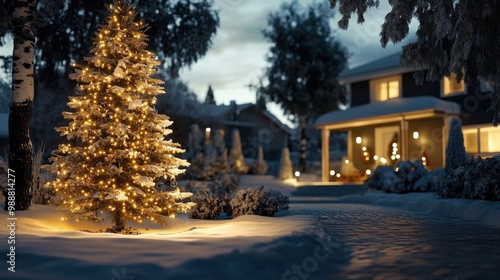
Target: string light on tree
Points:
(117, 151)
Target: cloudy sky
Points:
(237, 57)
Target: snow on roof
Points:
(390, 107)
(220, 110)
(391, 61)
(281, 125)
(4, 125)
(382, 67)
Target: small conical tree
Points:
(236, 158)
(219, 159)
(195, 153)
(117, 151)
(260, 167)
(210, 99)
(455, 149)
(286, 168)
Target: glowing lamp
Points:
(332, 172)
(368, 172)
(358, 140)
(297, 173)
(415, 135)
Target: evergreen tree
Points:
(210, 99)
(117, 150)
(455, 149)
(286, 168)
(305, 60)
(236, 158)
(195, 153)
(458, 37)
(260, 167)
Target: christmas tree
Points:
(236, 158)
(117, 151)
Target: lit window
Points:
(386, 88)
(451, 86)
(470, 140)
(489, 139)
(485, 142)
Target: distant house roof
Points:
(218, 111)
(4, 125)
(397, 107)
(384, 66)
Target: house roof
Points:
(4, 125)
(410, 107)
(384, 66)
(218, 111)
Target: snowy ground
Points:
(248, 247)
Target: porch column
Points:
(404, 139)
(325, 154)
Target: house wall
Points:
(360, 93)
(474, 105)
(430, 139)
(265, 133)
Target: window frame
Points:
(375, 82)
(452, 93)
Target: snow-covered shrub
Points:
(208, 205)
(260, 166)
(256, 201)
(410, 177)
(477, 179)
(383, 178)
(286, 169)
(414, 177)
(213, 198)
(437, 176)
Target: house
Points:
(390, 118)
(257, 127)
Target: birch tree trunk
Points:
(20, 146)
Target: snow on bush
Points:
(477, 179)
(410, 177)
(256, 201)
(212, 199)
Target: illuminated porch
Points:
(420, 125)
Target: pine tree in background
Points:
(236, 158)
(286, 169)
(195, 153)
(218, 160)
(260, 167)
(210, 99)
(117, 150)
(455, 149)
